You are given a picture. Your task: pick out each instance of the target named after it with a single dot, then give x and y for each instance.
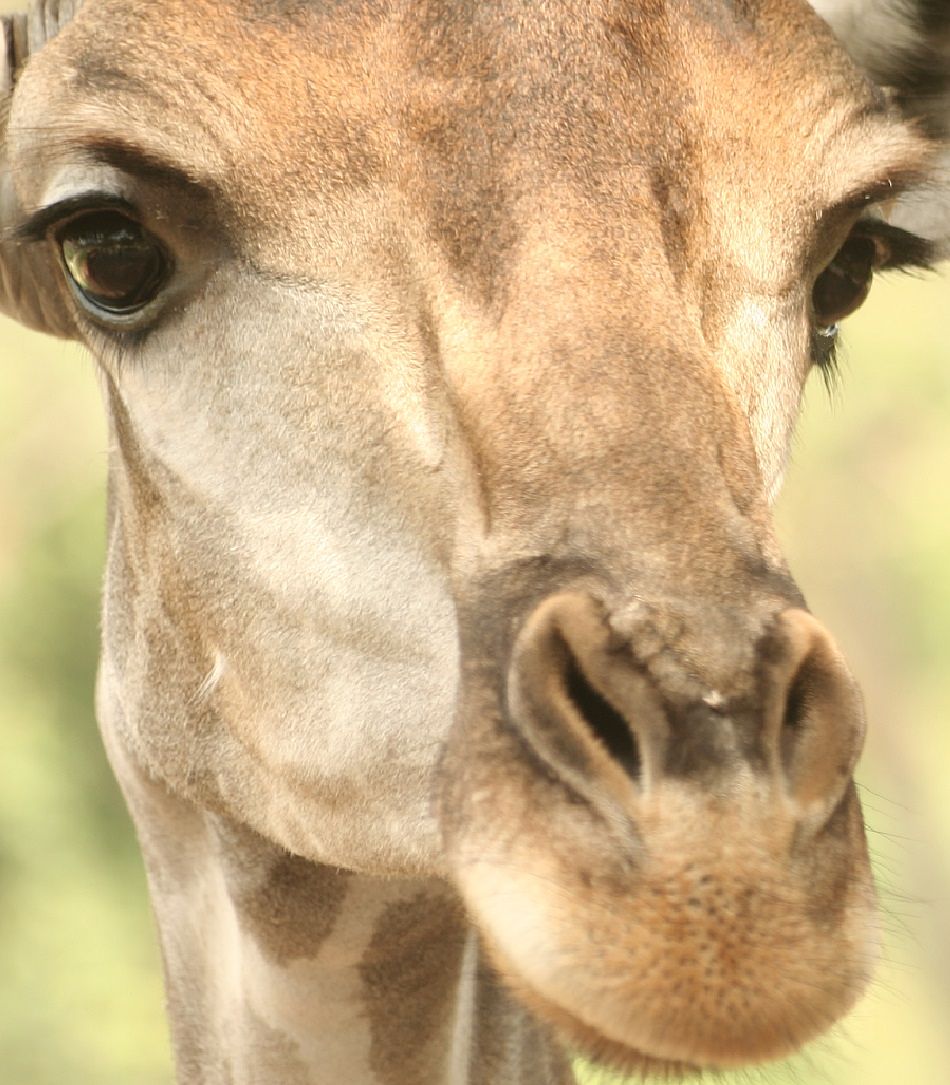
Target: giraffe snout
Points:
(665, 807)
(619, 706)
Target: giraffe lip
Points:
(594, 1045)
(667, 962)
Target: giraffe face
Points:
(446, 415)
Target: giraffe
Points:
(466, 710)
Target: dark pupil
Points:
(845, 282)
(113, 263)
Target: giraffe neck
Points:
(283, 972)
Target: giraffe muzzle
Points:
(664, 850)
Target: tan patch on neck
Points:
(288, 904)
(410, 972)
(276, 1057)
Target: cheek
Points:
(319, 440)
(278, 388)
(763, 358)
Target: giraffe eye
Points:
(113, 264)
(844, 284)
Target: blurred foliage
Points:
(80, 998)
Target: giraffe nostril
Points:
(583, 706)
(820, 724)
(797, 702)
(794, 720)
(796, 707)
(605, 722)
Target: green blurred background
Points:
(866, 521)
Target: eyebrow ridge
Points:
(882, 190)
(127, 158)
(36, 225)
(134, 159)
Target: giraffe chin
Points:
(594, 1046)
(683, 956)
(640, 1059)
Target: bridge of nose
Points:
(579, 217)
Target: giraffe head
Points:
(452, 354)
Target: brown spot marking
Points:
(288, 904)
(410, 972)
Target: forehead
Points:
(259, 76)
(462, 114)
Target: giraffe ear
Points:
(904, 45)
(28, 292)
